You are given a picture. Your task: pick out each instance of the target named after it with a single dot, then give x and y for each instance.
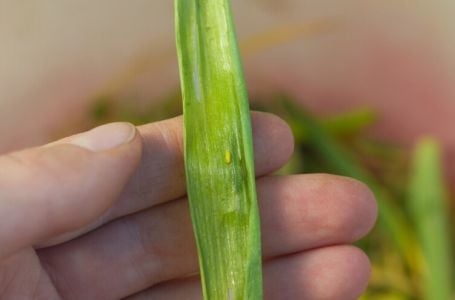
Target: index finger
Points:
(160, 176)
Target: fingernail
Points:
(105, 137)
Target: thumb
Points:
(60, 187)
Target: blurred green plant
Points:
(410, 248)
(429, 210)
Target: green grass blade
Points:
(350, 122)
(218, 151)
(429, 208)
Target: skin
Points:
(113, 223)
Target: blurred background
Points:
(367, 86)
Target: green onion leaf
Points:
(218, 151)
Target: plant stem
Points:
(218, 151)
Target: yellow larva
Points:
(228, 157)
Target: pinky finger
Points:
(337, 272)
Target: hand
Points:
(102, 215)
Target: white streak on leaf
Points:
(230, 296)
(196, 83)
